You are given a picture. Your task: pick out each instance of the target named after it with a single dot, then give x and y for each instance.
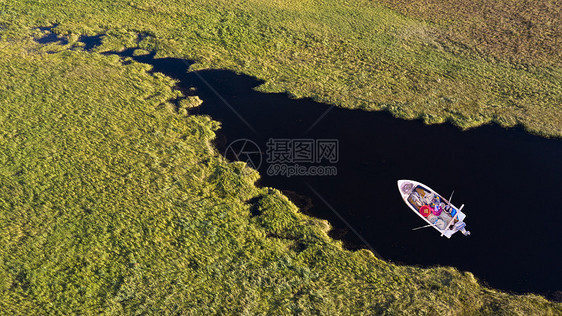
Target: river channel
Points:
(507, 178)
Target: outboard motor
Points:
(461, 226)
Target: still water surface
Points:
(508, 180)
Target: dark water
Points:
(507, 179)
(51, 38)
(89, 42)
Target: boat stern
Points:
(461, 226)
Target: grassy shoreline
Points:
(114, 203)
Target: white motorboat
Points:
(438, 212)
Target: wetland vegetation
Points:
(477, 64)
(113, 201)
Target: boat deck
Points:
(421, 196)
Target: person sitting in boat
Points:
(435, 202)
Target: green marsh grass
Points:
(438, 65)
(114, 203)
